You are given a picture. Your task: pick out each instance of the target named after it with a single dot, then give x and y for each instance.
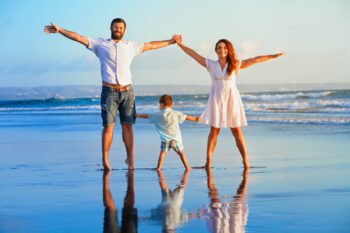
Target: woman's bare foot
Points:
(246, 164)
(207, 165)
(106, 165)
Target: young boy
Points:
(167, 124)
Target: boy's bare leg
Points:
(128, 139)
(107, 138)
(160, 160)
(237, 133)
(183, 159)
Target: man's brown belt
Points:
(117, 87)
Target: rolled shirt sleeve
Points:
(137, 48)
(151, 118)
(93, 43)
(180, 117)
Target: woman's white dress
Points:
(224, 108)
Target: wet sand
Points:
(51, 181)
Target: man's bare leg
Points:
(128, 139)
(107, 138)
(160, 160)
(237, 133)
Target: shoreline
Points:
(93, 91)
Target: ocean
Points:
(291, 107)
(297, 140)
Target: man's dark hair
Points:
(118, 20)
(166, 100)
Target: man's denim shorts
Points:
(166, 146)
(113, 101)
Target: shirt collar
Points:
(166, 109)
(112, 41)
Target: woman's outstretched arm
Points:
(251, 61)
(189, 51)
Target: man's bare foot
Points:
(126, 161)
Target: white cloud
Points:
(204, 48)
(248, 48)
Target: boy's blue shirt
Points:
(167, 124)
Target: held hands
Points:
(53, 28)
(178, 39)
(198, 119)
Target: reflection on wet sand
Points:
(222, 216)
(129, 212)
(170, 211)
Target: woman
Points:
(224, 108)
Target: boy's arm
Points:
(141, 115)
(192, 118)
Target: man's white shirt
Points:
(115, 58)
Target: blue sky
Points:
(314, 34)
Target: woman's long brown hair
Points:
(231, 59)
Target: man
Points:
(115, 56)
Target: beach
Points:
(51, 178)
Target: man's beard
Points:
(114, 36)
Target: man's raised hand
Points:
(53, 28)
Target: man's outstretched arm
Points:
(141, 115)
(53, 28)
(157, 44)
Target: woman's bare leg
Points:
(212, 138)
(237, 133)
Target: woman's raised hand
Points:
(189, 51)
(277, 55)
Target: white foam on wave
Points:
(287, 96)
(302, 120)
(318, 105)
(89, 107)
